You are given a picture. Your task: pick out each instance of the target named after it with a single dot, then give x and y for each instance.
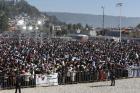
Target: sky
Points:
(130, 8)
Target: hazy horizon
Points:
(88, 6)
(89, 14)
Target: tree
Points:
(138, 26)
(75, 27)
(79, 25)
(69, 26)
(87, 26)
(103, 32)
(3, 21)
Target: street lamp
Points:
(120, 5)
(24, 27)
(30, 28)
(38, 26)
(39, 22)
(20, 22)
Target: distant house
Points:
(57, 28)
(115, 32)
(92, 32)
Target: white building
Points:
(93, 32)
(57, 28)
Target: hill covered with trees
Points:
(9, 9)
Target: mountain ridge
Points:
(95, 20)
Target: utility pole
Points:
(103, 18)
(120, 23)
(120, 26)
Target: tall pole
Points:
(103, 18)
(120, 26)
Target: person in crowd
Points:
(61, 56)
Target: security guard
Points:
(112, 76)
(18, 83)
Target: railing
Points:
(76, 77)
(92, 76)
(7, 82)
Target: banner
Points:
(134, 72)
(41, 80)
(47, 80)
(52, 79)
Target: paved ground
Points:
(122, 86)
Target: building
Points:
(13, 1)
(93, 32)
(57, 28)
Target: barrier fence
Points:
(7, 82)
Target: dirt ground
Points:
(122, 86)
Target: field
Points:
(122, 86)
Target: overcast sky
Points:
(130, 8)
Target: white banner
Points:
(52, 79)
(41, 80)
(47, 80)
(134, 72)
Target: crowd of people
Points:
(29, 57)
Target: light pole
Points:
(120, 26)
(20, 24)
(103, 17)
(36, 36)
(30, 29)
(120, 5)
(52, 31)
(39, 26)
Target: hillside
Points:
(8, 9)
(20, 7)
(95, 20)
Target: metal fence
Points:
(89, 76)
(8, 82)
